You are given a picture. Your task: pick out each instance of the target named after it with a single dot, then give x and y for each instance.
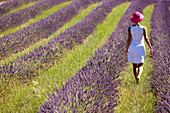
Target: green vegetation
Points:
(138, 98)
(21, 8)
(45, 14)
(29, 98)
(43, 42)
(76, 19)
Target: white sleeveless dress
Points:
(137, 46)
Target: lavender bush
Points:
(16, 19)
(6, 7)
(28, 66)
(94, 88)
(20, 40)
(160, 39)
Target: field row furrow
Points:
(160, 39)
(8, 6)
(28, 66)
(17, 42)
(20, 8)
(75, 20)
(91, 44)
(44, 42)
(44, 15)
(16, 19)
(94, 87)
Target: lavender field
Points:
(69, 56)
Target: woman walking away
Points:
(135, 44)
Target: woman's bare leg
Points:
(140, 70)
(135, 71)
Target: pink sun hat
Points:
(137, 17)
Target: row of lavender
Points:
(7, 7)
(28, 66)
(160, 40)
(16, 19)
(17, 42)
(94, 88)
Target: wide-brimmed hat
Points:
(137, 17)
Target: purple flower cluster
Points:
(16, 42)
(28, 66)
(16, 19)
(6, 7)
(94, 87)
(161, 44)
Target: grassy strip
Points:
(21, 8)
(138, 98)
(42, 42)
(14, 81)
(45, 14)
(29, 99)
(76, 19)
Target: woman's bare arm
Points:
(147, 40)
(128, 41)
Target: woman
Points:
(135, 44)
